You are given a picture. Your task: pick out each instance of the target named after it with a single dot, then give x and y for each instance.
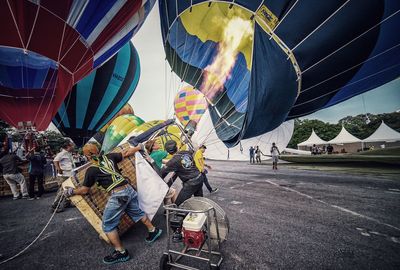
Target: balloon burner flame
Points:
(219, 71)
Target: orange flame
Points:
(220, 69)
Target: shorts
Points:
(275, 159)
(125, 200)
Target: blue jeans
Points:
(124, 200)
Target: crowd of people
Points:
(187, 165)
(255, 155)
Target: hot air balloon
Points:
(119, 129)
(96, 99)
(189, 104)
(260, 63)
(171, 132)
(48, 46)
(99, 136)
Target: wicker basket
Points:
(92, 205)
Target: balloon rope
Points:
(44, 96)
(283, 18)
(329, 55)
(350, 68)
(333, 91)
(37, 237)
(319, 26)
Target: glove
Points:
(68, 192)
(142, 147)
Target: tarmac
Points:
(294, 218)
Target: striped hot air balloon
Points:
(96, 99)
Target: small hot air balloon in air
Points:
(189, 104)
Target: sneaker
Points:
(31, 198)
(17, 198)
(25, 197)
(153, 235)
(117, 257)
(214, 190)
(177, 237)
(37, 198)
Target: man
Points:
(64, 164)
(13, 176)
(37, 161)
(183, 165)
(258, 154)
(275, 154)
(158, 155)
(123, 198)
(63, 161)
(251, 152)
(201, 165)
(314, 150)
(329, 149)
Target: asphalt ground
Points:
(295, 218)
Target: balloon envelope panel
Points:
(96, 99)
(51, 45)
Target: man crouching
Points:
(123, 198)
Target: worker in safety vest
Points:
(123, 198)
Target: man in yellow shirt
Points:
(201, 165)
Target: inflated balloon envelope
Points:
(293, 60)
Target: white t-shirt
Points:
(274, 151)
(66, 162)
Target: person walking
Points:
(13, 176)
(37, 161)
(201, 165)
(275, 154)
(251, 152)
(123, 198)
(258, 154)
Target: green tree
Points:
(361, 126)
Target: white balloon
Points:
(216, 149)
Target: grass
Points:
(389, 156)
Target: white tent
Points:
(344, 137)
(313, 139)
(384, 134)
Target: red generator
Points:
(192, 229)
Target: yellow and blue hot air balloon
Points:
(260, 62)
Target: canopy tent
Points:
(313, 139)
(344, 137)
(346, 143)
(384, 134)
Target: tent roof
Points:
(344, 137)
(313, 139)
(384, 134)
